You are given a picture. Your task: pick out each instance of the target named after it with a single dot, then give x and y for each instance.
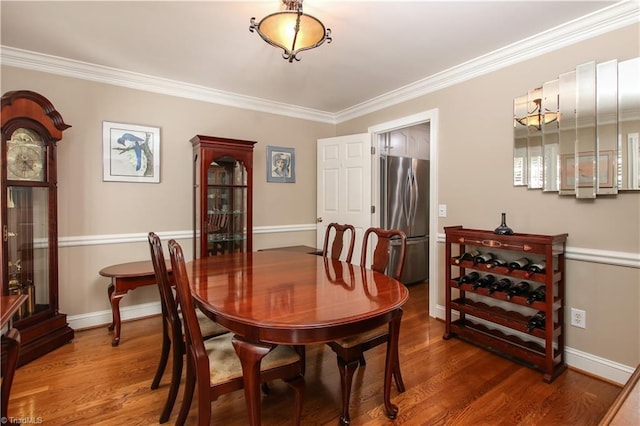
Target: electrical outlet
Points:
(578, 318)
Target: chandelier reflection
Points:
(537, 117)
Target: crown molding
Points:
(608, 19)
(25, 59)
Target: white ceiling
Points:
(378, 48)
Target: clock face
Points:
(25, 156)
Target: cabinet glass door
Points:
(226, 222)
(27, 238)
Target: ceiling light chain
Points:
(291, 30)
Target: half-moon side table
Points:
(124, 278)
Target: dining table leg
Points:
(392, 357)
(250, 354)
(114, 298)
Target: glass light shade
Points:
(292, 31)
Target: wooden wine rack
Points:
(486, 320)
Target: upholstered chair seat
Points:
(224, 364)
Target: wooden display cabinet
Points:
(493, 321)
(222, 195)
(31, 128)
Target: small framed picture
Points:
(131, 153)
(281, 164)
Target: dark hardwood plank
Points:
(448, 382)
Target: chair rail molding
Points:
(139, 237)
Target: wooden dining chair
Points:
(337, 244)
(213, 364)
(350, 350)
(172, 330)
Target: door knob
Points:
(318, 219)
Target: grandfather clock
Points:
(31, 127)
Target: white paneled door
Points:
(344, 185)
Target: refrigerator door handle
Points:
(414, 198)
(409, 199)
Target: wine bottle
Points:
(539, 294)
(484, 282)
(483, 258)
(501, 285)
(537, 321)
(521, 263)
(503, 229)
(536, 268)
(496, 262)
(469, 278)
(469, 255)
(518, 290)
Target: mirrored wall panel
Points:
(550, 136)
(534, 140)
(579, 135)
(520, 174)
(629, 123)
(585, 155)
(607, 127)
(567, 126)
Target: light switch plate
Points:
(442, 210)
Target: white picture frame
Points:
(131, 153)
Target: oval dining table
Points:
(288, 298)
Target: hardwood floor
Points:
(88, 382)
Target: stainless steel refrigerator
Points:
(404, 199)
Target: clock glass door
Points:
(27, 237)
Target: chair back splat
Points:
(382, 252)
(338, 241)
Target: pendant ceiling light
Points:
(291, 30)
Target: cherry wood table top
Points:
(130, 269)
(292, 298)
(9, 305)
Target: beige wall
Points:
(475, 148)
(475, 182)
(91, 208)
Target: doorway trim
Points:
(430, 116)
